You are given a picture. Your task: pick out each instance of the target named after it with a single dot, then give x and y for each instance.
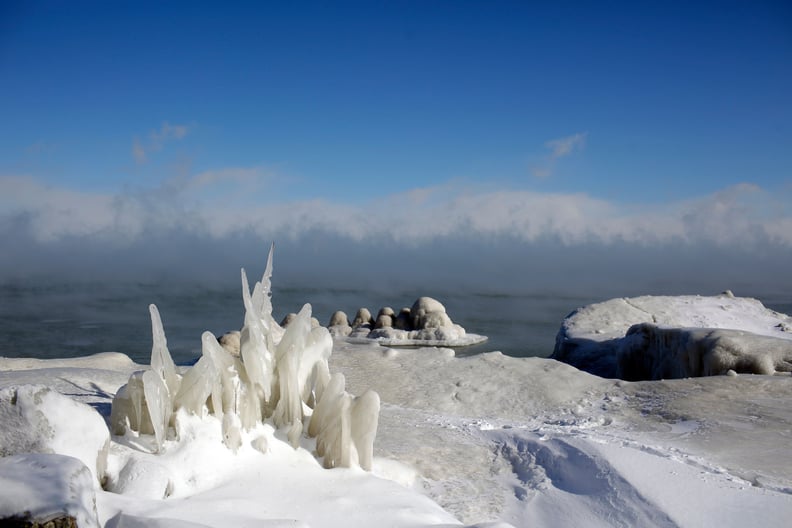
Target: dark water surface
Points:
(76, 319)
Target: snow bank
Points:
(37, 419)
(676, 337)
(43, 488)
(425, 324)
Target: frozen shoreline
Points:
(491, 438)
(485, 438)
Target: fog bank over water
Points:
(498, 265)
(442, 238)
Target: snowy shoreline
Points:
(461, 441)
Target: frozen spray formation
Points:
(280, 376)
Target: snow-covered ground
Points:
(529, 442)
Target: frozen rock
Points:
(675, 337)
(231, 342)
(425, 324)
(386, 310)
(142, 478)
(362, 318)
(339, 324)
(46, 490)
(403, 321)
(384, 321)
(427, 312)
(37, 419)
(339, 318)
(650, 352)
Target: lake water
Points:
(74, 319)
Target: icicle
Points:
(161, 360)
(158, 403)
(364, 415)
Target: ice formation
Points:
(280, 376)
(425, 324)
(651, 338)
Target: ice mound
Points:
(37, 419)
(46, 490)
(279, 376)
(425, 324)
(649, 338)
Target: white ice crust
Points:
(657, 337)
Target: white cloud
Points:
(156, 140)
(562, 147)
(168, 132)
(740, 217)
(559, 148)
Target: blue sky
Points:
(585, 122)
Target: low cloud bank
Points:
(740, 237)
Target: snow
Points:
(486, 438)
(657, 337)
(45, 487)
(432, 440)
(37, 419)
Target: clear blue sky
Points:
(674, 100)
(574, 119)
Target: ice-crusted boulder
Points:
(280, 376)
(663, 337)
(231, 342)
(46, 490)
(425, 324)
(37, 419)
(339, 324)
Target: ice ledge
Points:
(660, 337)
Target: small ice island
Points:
(662, 337)
(426, 323)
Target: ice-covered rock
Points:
(363, 318)
(403, 320)
(339, 324)
(37, 419)
(675, 337)
(231, 342)
(46, 490)
(280, 375)
(425, 324)
(429, 313)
